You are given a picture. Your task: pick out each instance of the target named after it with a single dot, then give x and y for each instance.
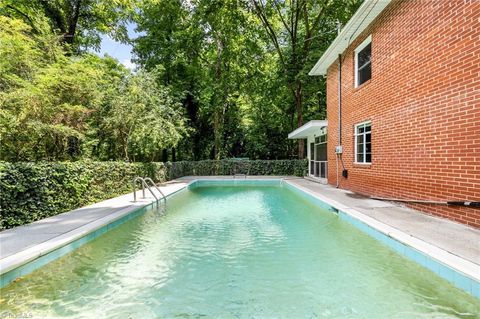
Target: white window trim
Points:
(365, 42)
(355, 142)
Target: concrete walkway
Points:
(455, 238)
(23, 244)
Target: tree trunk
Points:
(72, 22)
(192, 111)
(299, 110)
(216, 133)
(125, 147)
(217, 104)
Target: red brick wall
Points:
(424, 104)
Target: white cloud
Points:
(129, 64)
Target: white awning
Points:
(308, 129)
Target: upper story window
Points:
(363, 143)
(363, 62)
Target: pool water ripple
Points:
(236, 252)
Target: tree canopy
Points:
(214, 78)
(54, 106)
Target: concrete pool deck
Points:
(455, 238)
(453, 244)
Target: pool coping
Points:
(30, 254)
(467, 268)
(438, 255)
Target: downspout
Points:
(340, 100)
(339, 112)
(339, 27)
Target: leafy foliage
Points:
(241, 68)
(215, 79)
(32, 191)
(231, 75)
(235, 166)
(78, 24)
(144, 118)
(67, 108)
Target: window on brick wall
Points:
(363, 143)
(363, 62)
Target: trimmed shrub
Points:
(233, 166)
(33, 191)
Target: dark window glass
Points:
(360, 158)
(368, 147)
(364, 143)
(321, 152)
(322, 170)
(360, 145)
(364, 65)
(368, 158)
(364, 74)
(364, 56)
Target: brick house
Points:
(409, 106)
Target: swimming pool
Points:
(250, 250)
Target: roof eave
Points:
(303, 131)
(364, 16)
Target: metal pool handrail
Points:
(148, 179)
(239, 164)
(144, 185)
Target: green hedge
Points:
(232, 166)
(32, 191)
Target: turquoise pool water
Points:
(236, 252)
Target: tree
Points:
(296, 30)
(23, 53)
(207, 50)
(59, 107)
(170, 44)
(144, 119)
(48, 115)
(230, 74)
(78, 23)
